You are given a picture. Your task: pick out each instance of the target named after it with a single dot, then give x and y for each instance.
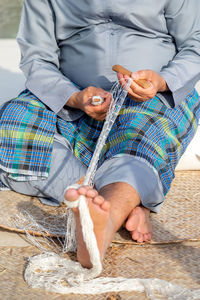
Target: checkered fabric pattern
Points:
(148, 130)
(26, 136)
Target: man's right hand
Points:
(83, 100)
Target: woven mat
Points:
(177, 263)
(178, 219)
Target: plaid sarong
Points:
(149, 131)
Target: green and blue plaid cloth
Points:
(149, 130)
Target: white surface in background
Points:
(191, 158)
(12, 82)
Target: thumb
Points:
(143, 74)
(135, 75)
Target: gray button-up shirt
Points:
(67, 42)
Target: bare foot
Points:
(99, 212)
(139, 225)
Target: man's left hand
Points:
(139, 94)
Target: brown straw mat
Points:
(178, 219)
(178, 264)
(175, 262)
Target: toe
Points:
(132, 222)
(149, 236)
(105, 205)
(146, 237)
(98, 200)
(135, 235)
(71, 195)
(83, 189)
(140, 238)
(91, 193)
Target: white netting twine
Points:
(54, 273)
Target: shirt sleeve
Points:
(183, 23)
(40, 55)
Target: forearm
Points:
(181, 75)
(183, 71)
(40, 55)
(49, 85)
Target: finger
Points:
(136, 97)
(148, 77)
(144, 93)
(107, 100)
(100, 92)
(103, 107)
(120, 76)
(136, 92)
(99, 117)
(123, 80)
(142, 74)
(131, 94)
(93, 91)
(141, 91)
